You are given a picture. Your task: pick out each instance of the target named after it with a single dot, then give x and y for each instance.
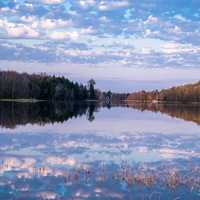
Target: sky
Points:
(125, 45)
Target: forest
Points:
(185, 93)
(15, 85)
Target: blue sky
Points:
(125, 45)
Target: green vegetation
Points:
(184, 94)
(25, 87)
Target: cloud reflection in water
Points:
(116, 156)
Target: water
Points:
(87, 151)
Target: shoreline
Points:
(99, 101)
(164, 102)
(39, 100)
(22, 100)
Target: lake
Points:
(86, 151)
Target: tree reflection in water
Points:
(16, 113)
(188, 112)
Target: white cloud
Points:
(58, 35)
(111, 5)
(88, 30)
(87, 3)
(151, 20)
(73, 13)
(35, 24)
(15, 31)
(77, 52)
(104, 19)
(51, 23)
(176, 30)
(28, 19)
(180, 17)
(72, 35)
(6, 10)
(22, 31)
(46, 23)
(150, 33)
(18, 30)
(4, 23)
(147, 32)
(52, 1)
(29, 5)
(173, 47)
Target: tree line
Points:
(185, 93)
(15, 85)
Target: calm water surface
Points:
(78, 151)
